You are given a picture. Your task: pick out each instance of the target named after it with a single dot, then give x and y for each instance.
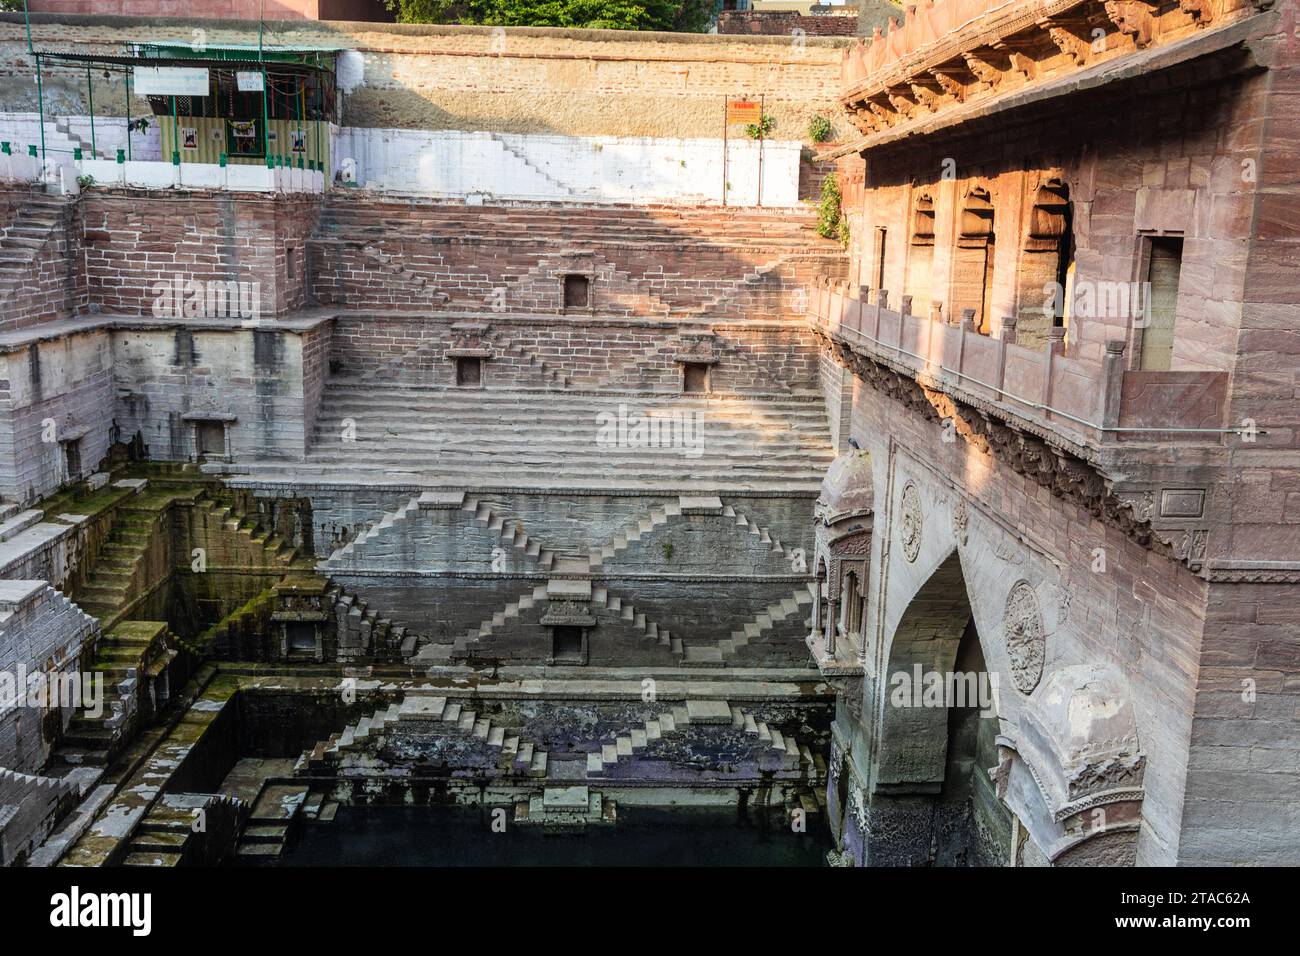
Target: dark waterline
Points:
(462, 836)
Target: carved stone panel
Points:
(909, 522)
(1024, 633)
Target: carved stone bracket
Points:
(1132, 18)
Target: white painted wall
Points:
(457, 163)
(582, 168)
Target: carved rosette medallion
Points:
(1023, 631)
(909, 522)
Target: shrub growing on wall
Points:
(831, 222)
(690, 16)
(820, 129)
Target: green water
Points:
(463, 836)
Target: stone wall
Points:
(41, 633)
(577, 352)
(1144, 613)
(788, 23)
(137, 246)
(56, 390)
(684, 263)
(512, 80)
(168, 377)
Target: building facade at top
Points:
(1062, 376)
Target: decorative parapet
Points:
(954, 51)
(1086, 403)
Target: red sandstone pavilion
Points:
(406, 416)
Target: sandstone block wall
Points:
(133, 243)
(682, 263)
(520, 80)
(584, 352)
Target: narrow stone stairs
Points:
(657, 518)
(120, 657)
(362, 627)
(549, 374)
(269, 825)
(748, 524)
(163, 837)
(792, 754)
(37, 220)
(764, 621)
(626, 611)
(233, 521)
(510, 531)
(462, 644)
(513, 754)
(117, 565)
(347, 555)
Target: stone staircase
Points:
(554, 377)
(463, 643)
(121, 657)
(791, 754)
(513, 754)
(644, 525)
(347, 555)
(269, 824)
(165, 835)
(233, 521)
(453, 437)
(117, 568)
(365, 218)
(37, 221)
(602, 597)
(753, 527)
(510, 531)
(362, 631)
(770, 616)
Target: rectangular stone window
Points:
(72, 458)
(1164, 263)
(695, 377)
(882, 235)
(469, 371)
(301, 639)
(567, 644)
(290, 263)
(577, 292)
(210, 439)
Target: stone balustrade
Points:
(1087, 402)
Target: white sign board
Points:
(249, 82)
(170, 80)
